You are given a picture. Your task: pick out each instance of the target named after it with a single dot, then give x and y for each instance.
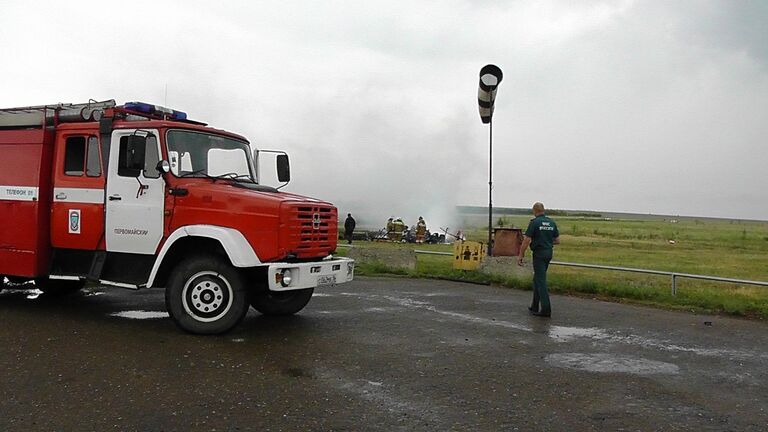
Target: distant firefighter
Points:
(421, 230)
(391, 229)
(399, 228)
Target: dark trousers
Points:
(348, 236)
(540, 293)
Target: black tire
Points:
(59, 287)
(2, 283)
(277, 303)
(206, 295)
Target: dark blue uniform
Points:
(349, 227)
(542, 232)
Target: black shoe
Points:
(533, 310)
(542, 314)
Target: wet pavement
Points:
(379, 355)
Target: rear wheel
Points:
(281, 302)
(206, 295)
(54, 287)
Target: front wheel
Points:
(281, 302)
(206, 295)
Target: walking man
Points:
(349, 228)
(541, 236)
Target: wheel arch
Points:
(226, 242)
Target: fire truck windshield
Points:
(198, 154)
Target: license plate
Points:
(326, 280)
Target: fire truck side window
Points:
(93, 167)
(152, 157)
(74, 156)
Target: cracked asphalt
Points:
(378, 354)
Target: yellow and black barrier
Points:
(467, 255)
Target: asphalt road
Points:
(379, 355)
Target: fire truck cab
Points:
(139, 196)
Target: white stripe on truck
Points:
(78, 195)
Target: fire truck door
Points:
(135, 193)
(77, 211)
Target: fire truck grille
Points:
(312, 230)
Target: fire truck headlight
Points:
(286, 278)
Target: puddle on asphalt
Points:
(610, 363)
(563, 334)
(30, 294)
(385, 398)
(382, 309)
(567, 334)
(140, 314)
(430, 294)
(496, 301)
(33, 293)
(334, 312)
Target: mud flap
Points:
(97, 265)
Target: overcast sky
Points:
(636, 106)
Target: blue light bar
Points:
(140, 107)
(178, 115)
(146, 108)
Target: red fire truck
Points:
(139, 196)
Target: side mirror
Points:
(163, 166)
(283, 168)
(131, 158)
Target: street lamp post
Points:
(490, 78)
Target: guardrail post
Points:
(674, 285)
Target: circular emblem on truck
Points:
(74, 221)
(316, 221)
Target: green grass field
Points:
(737, 249)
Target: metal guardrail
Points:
(672, 275)
(432, 252)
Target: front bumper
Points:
(311, 274)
